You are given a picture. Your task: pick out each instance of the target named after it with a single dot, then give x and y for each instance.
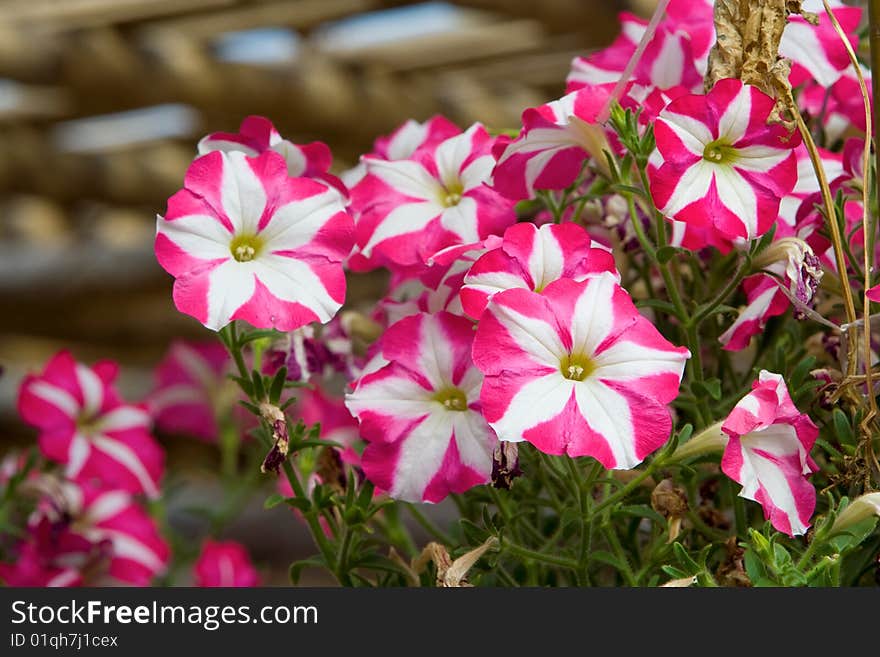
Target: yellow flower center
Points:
(719, 152)
(450, 196)
(245, 248)
(576, 367)
(452, 399)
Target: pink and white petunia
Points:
(411, 209)
(85, 425)
(764, 299)
(577, 370)
(437, 287)
(675, 56)
(806, 188)
(420, 412)
(193, 392)
(257, 135)
(796, 273)
(531, 258)
(405, 141)
(224, 563)
(816, 51)
(246, 241)
(82, 535)
(718, 162)
(769, 454)
(839, 107)
(554, 144)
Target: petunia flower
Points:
(257, 135)
(719, 163)
(554, 144)
(675, 56)
(577, 370)
(403, 142)
(82, 535)
(411, 209)
(764, 300)
(224, 563)
(420, 412)
(531, 258)
(769, 453)
(437, 287)
(246, 241)
(192, 391)
(85, 425)
(816, 51)
(796, 275)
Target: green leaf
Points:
(691, 566)
(277, 386)
(674, 572)
(258, 385)
(842, 427)
(640, 511)
(300, 503)
(666, 253)
(297, 567)
(764, 242)
(854, 535)
(258, 334)
(273, 500)
(607, 558)
(709, 387)
(713, 387)
(474, 534)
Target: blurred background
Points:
(102, 102)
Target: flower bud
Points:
(858, 510)
(711, 439)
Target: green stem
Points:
(541, 557)
(622, 492)
(722, 296)
(230, 338)
(429, 526)
(618, 551)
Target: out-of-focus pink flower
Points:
(85, 425)
(314, 353)
(769, 454)
(193, 393)
(337, 423)
(224, 563)
(816, 51)
(246, 241)
(82, 535)
(675, 56)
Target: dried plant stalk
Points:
(747, 47)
